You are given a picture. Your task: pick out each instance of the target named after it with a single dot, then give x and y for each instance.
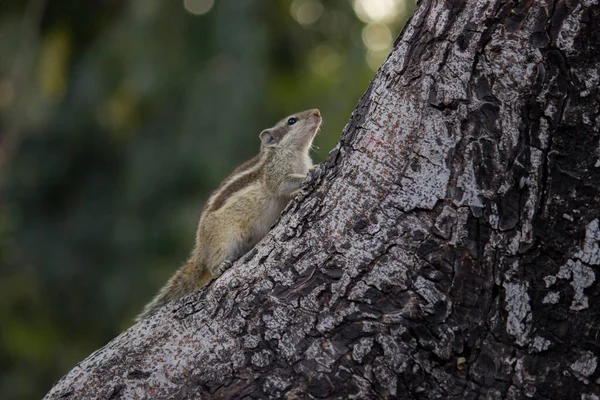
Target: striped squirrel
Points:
(241, 211)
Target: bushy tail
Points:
(183, 282)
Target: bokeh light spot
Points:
(378, 10)
(306, 12)
(377, 37)
(198, 7)
(324, 60)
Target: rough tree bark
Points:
(448, 247)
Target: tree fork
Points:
(448, 247)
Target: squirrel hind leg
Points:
(224, 253)
(224, 266)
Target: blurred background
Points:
(117, 119)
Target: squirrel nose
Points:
(316, 112)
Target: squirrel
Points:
(248, 202)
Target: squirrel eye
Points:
(292, 121)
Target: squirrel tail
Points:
(183, 282)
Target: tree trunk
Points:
(448, 247)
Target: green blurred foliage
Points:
(117, 120)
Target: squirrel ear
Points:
(266, 137)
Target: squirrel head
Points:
(294, 132)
